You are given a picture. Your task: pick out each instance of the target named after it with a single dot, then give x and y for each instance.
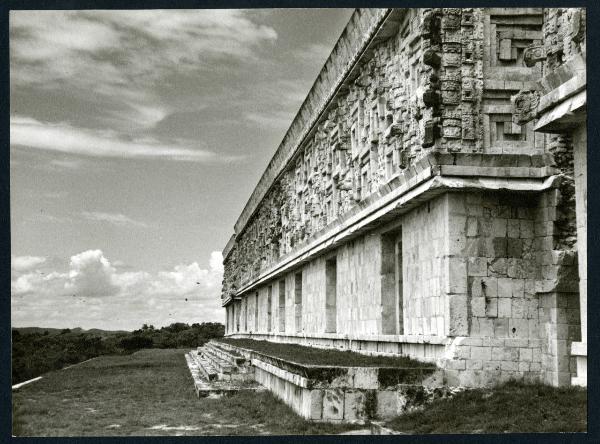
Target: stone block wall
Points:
(418, 88)
(425, 268)
(522, 305)
(492, 237)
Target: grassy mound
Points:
(323, 357)
(147, 393)
(511, 407)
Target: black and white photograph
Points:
(298, 221)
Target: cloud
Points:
(314, 51)
(64, 138)
(122, 55)
(112, 218)
(94, 293)
(24, 263)
(91, 275)
(45, 217)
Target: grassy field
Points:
(147, 393)
(511, 407)
(316, 356)
(151, 393)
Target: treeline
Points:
(38, 352)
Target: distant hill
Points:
(55, 331)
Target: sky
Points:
(136, 139)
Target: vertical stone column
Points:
(457, 307)
(557, 286)
(579, 349)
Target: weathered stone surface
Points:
(427, 104)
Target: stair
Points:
(204, 387)
(222, 366)
(230, 356)
(205, 367)
(217, 370)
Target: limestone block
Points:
(474, 364)
(513, 228)
(478, 307)
(505, 354)
(518, 288)
(457, 275)
(477, 266)
(471, 378)
(455, 364)
(481, 353)
(475, 287)
(316, 403)
(499, 227)
(524, 366)
(333, 404)
(519, 308)
(509, 366)
(363, 377)
(514, 247)
(498, 267)
(526, 354)
(490, 286)
(504, 287)
(388, 403)
(458, 324)
(518, 328)
(526, 229)
(500, 327)
(504, 308)
(492, 366)
(486, 327)
(472, 226)
(354, 405)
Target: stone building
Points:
(557, 107)
(414, 208)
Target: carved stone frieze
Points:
(525, 106)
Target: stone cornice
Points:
(355, 39)
(433, 175)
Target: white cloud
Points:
(314, 51)
(93, 293)
(122, 55)
(112, 218)
(91, 275)
(24, 263)
(64, 138)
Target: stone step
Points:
(221, 365)
(230, 356)
(205, 367)
(216, 388)
(235, 350)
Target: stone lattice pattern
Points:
(422, 89)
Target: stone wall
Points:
(490, 271)
(425, 260)
(419, 88)
(403, 175)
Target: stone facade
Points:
(409, 210)
(557, 105)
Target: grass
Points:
(147, 393)
(511, 407)
(314, 356)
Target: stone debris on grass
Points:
(167, 427)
